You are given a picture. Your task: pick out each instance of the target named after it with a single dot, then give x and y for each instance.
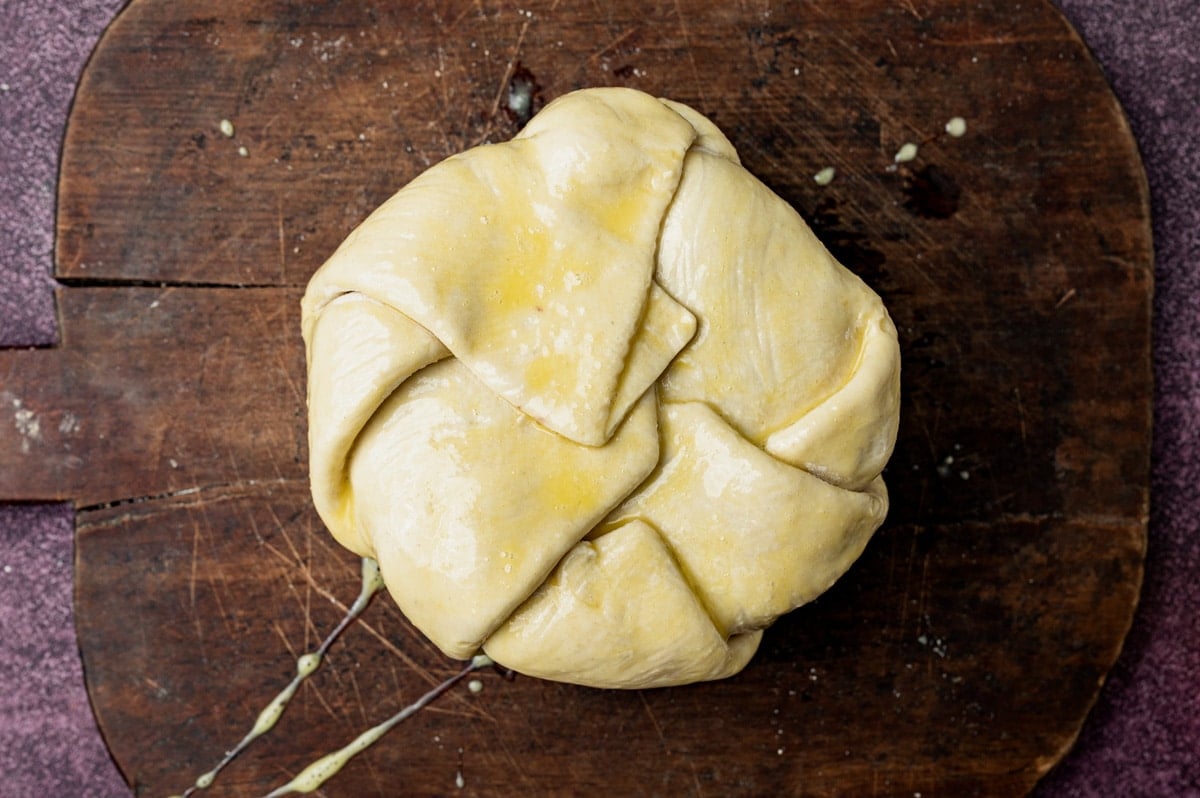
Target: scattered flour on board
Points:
(28, 425)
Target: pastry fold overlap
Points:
(597, 400)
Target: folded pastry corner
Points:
(597, 400)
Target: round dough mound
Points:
(597, 400)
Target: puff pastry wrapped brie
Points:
(597, 400)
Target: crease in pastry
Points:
(366, 351)
(463, 528)
(805, 301)
(629, 572)
(738, 520)
(611, 524)
(867, 403)
(444, 261)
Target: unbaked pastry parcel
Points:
(597, 401)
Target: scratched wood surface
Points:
(958, 657)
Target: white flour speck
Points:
(29, 426)
(906, 153)
(69, 424)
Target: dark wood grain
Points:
(948, 662)
(959, 656)
(136, 402)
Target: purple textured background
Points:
(1143, 739)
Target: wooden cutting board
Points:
(958, 657)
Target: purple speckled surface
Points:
(1143, 739)
(49, 743)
